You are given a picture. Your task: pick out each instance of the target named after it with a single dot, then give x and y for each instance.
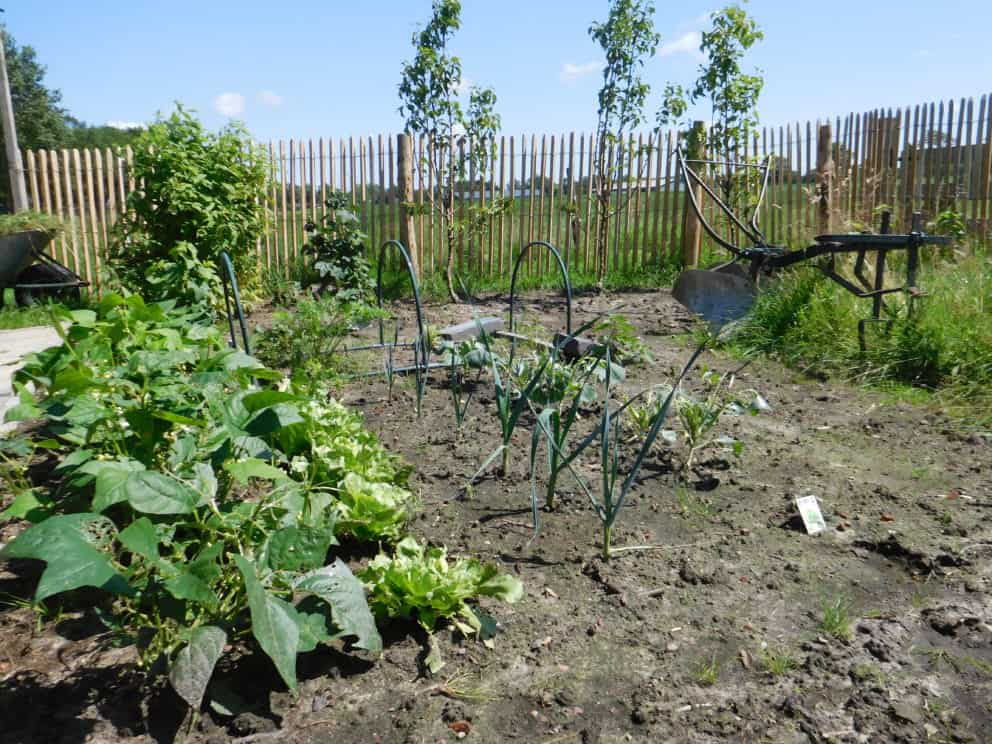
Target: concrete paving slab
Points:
(14, 346)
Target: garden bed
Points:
(737, 626)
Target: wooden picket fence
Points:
(833, 175)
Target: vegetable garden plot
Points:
(734, 626)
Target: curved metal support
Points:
(564, 276)
(228, 276)
(421, 350)
(408, 263)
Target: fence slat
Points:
(984, 194)
(926, 157)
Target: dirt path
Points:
(716, 635)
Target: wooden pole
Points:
(824, 177)
(692, 233)
(18, 188)
(408, 232)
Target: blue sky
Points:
(307, 68)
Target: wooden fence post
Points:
(824, 177)
(692, 232)
(408, 232)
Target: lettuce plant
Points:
(421, 583)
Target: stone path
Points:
(14, 345)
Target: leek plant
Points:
(566, 391)
(509, 407)
(613, 490)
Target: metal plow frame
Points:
(727, 292)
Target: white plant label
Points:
(809, 510)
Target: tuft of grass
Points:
(868, 673)
(944, 346)
(777, 662)
(706, 673)
(836, 619)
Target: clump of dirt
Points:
(735, 625)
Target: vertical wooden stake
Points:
(692, 233)
(408, 233)
(824, 177)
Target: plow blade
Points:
(718, 296)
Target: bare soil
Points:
(715, 634)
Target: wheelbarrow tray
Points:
(17, 252)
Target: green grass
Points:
(12, 317)
(706, 672)
(777, 662)
(943, 349)
(836, 619)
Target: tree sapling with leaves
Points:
(732, 93)
(628, 39)
(459, 140)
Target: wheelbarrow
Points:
(33, 274)
(727, 292)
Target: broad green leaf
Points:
(273, 623)
(26, 506)
(65, 543)
(73, 380)
(272, 419)
(265, 398)
(313, 625)
(245, 470)
(111, 475)
(205, 482)
(151, 492)
(140, 538)
(26, 408)
(189, 586)
(86, 318)
(298, 548)
(195, 663)
(337, 586)
(74, 459)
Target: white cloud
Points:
(269, 98)
(229, 104)
(687, 43)
(463, 87)
(571, 72)
(703, 19)
(117, 124)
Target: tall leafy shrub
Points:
(202, 192)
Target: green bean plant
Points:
(203, 506)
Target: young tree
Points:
(460, 140)
(627, 38)
(732, 94)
